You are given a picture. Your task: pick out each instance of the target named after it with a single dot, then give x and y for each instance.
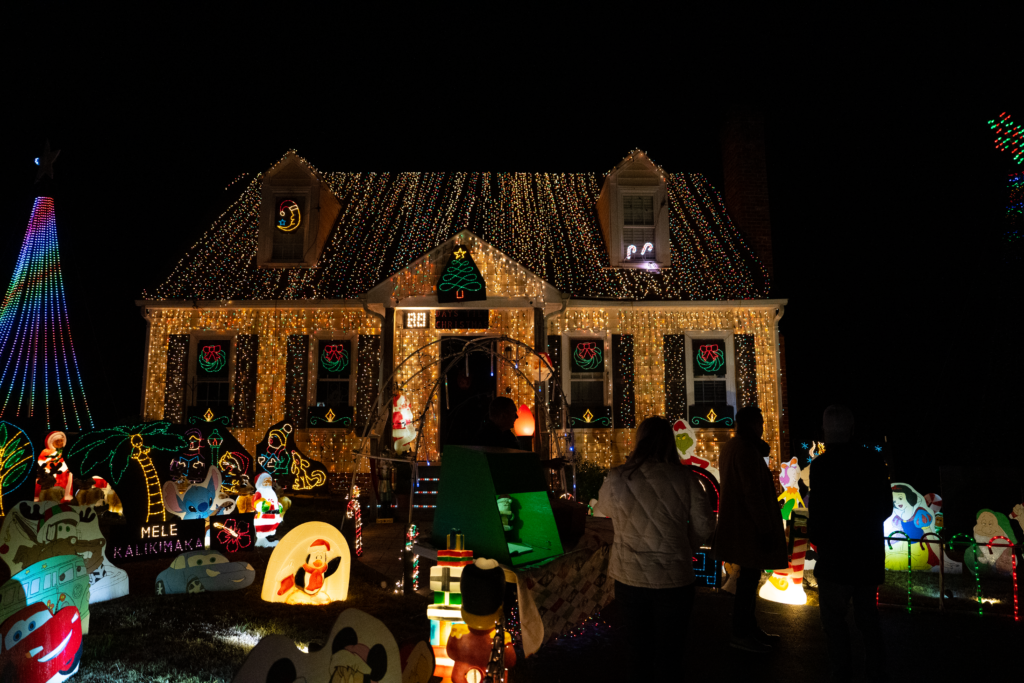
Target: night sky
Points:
(887, 196)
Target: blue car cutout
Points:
(199, 571)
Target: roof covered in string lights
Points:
(546, 221)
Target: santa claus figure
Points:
(51, 461)
(268, 510)
(402, 431)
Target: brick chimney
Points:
(746, 180)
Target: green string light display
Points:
(910, 543)
(977, 579)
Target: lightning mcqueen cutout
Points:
(39, 647)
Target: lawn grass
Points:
(206, 637)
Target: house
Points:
(304, 297)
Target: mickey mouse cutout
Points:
(359, 648)
(310, 566)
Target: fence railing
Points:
(967, 541)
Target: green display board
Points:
(472, 480)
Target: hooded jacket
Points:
(850, 503)
(750, 531)
(661, 515)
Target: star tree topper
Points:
(45, 162)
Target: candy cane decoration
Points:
(1016, 615)
(648, 247)
(910, 543)
(630, 250)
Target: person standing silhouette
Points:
(750, 531)
(850, 549)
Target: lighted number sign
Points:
(461, 279)
(709, 357)
(417, 320)
(588, 355)
(334, 357)
(289, 217)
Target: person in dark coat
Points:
(496, 431)
(750, 531)
(852, 500)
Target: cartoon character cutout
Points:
(403, 433)
(994, 527)
(686, 448)
(789, 477)
(268, 510)
(38, 645)
(276, 459)
(197, 500)
(47, 530)
(912, 519)
(310, 566)
(51, 461)
(359, 647)
(192, 463)
(309, 578)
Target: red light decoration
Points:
(525, 423)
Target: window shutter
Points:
(555, 383)
(177, 377)
(368, 364)
(623, 398)
(296, 388)
(247, 351)
(746, 370)
(675, 376)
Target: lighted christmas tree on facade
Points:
(39, 374)
(461, 280)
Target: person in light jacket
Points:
(661, 515)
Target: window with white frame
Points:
(712, 386)
(638, 227)
(586, 371)
(333, 372)
(211, 383)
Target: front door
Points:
(465, 399)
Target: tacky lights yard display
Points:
(39, 374)
(1009, 136)
(109, 452)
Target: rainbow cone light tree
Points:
(38, 368)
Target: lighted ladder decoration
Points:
(154, 496)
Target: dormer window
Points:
(297, 213)
(633, 212)
(289, 230)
